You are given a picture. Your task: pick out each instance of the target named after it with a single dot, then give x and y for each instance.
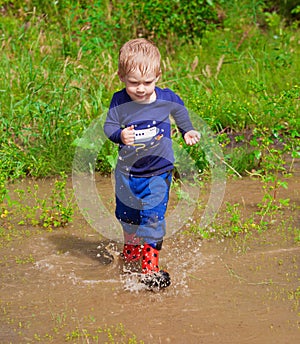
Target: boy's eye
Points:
(136, 83)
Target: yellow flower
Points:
(4, 214)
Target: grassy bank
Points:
(239, 73)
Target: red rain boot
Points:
(132, 251)
(153, 277)
(150, 259)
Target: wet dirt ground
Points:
(62, 286)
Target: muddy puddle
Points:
(63, 286)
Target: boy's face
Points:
(140, 88)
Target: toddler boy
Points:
(139, 122)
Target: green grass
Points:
(234, 79)
(58, 72)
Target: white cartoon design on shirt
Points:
(144, 135)
(147, 138)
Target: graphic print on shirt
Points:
(144, 135)
(147, 138)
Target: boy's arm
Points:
(184, 124)
(112, 125)
(115, 133)
(112, 130)
(178, 111)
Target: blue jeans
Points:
(141, 204)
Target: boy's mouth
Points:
(140, 97)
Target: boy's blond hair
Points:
(139, 54)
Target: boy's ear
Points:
(158, 77)
(120, 76)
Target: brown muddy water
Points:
(62, 286)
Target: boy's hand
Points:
(127, 135)
(191, 137)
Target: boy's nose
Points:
(140, 88)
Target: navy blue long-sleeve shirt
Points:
(152, 152)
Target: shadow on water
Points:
(79, 247)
